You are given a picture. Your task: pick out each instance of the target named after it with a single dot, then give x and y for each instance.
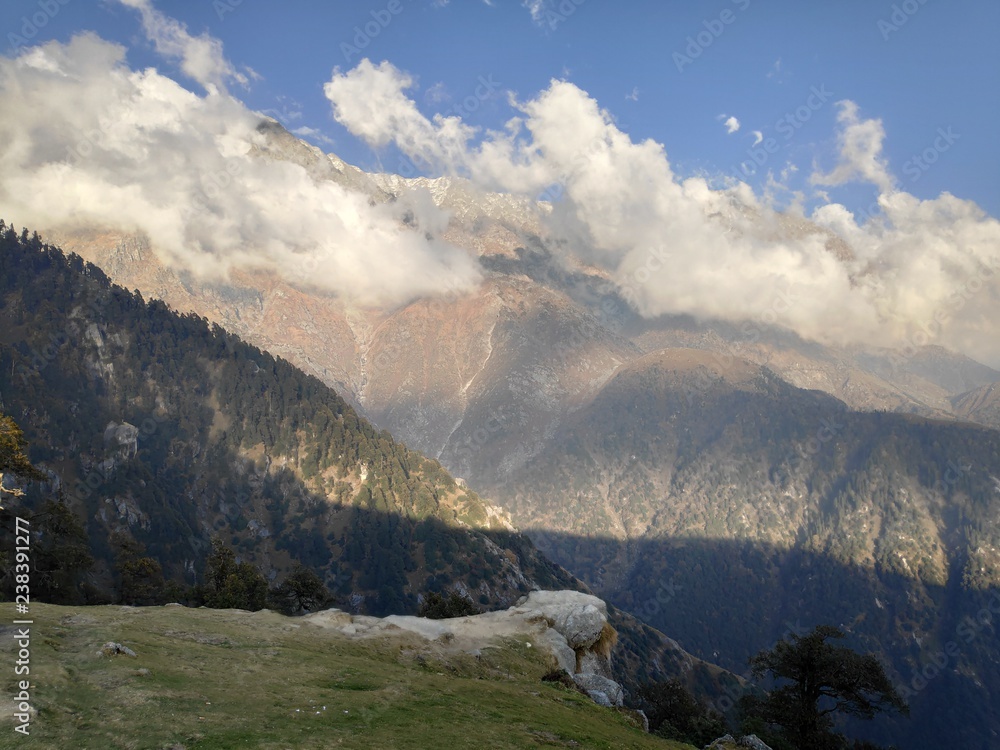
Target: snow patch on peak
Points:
(465, 201)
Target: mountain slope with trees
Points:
(726, 507)
(163, 438)
(170, 431)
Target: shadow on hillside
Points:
(205, 468)
(724, 601)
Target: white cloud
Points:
(757, 136)
(732, 124)
(860, 152)
(200, 57)
(551, 13)
(633, 95)
(314, 135)
(89, 142)
(536, 8)
(437, 93)
(675, 245)
(370, 98)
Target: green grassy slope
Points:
(228, 679)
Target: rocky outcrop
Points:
(583, 621)
(115, 649)
(578, 617)
(570, 626)
(122, 439)
(604, 691)
(728, 742)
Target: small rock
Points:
(722, 743)
(592, 683)
(753, 742)
(589, 661)
(635, 717)
(642, 718)
(114, 649)
(600, 698)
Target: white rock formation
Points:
(571, 626)
(123, 438)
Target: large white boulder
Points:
(568, 625)
(580, 618)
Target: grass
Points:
(212, 679)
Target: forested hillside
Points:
(160, 432)
(727, 508)
(170, 430)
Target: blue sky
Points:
(938, 72)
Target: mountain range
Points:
(168, 431)
(724, 481)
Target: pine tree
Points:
(231, 584)
(141, 578)
(302, 591)
(817, 680)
